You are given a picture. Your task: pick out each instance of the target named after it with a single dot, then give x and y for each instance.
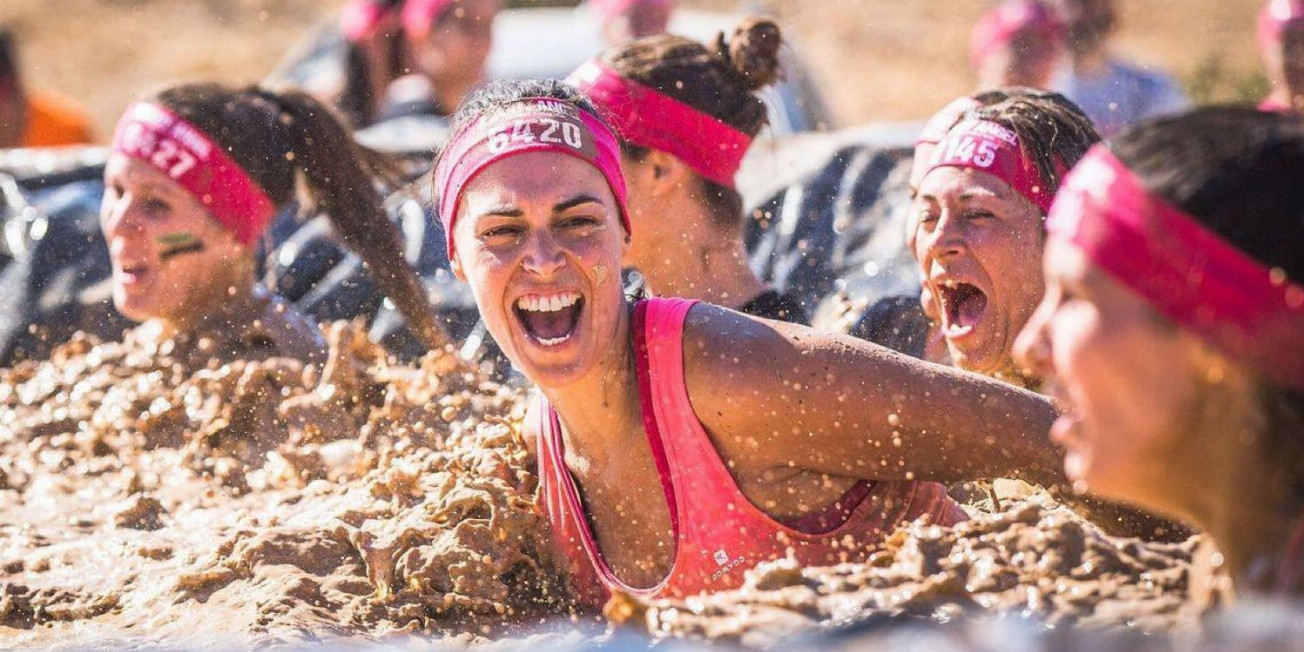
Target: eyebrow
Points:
(575, 201)
(507, 210)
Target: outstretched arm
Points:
(776, 395)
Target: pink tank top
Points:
(718, 532)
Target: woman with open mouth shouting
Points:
(195, 175)
(680, 443)
(1173, 333)
(978, 231)
(686, 115)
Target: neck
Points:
(1241, 499)
(702, 265)
(601, 409)
(223, 306)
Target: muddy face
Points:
(979, 247)
(537, 235)
(171, 259)
(1129, 383)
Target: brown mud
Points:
(1021, 553)
(148, 498)
(152, 497)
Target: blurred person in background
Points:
(1112, 92)
(1018, 43)
(32, 118)
(375, 56)
(625, 20)
(686, 114)
(1281, 42)
(1172, 333)
(448, 42)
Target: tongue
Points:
(550, 325)
(970, 303)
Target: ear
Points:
(666, 173)
(455, 264)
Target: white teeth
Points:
(553, 341)
(553, 303)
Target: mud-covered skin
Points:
(152, 497)
(1032, 557)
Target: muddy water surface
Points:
(153, 497)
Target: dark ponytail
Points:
(282, 138)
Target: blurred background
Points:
(873, 59)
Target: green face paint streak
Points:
(176, 244)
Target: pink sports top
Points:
(718, 532)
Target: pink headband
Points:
(360, 19)
(610, 8)
(420, 15)
(536, 124)
(988, 147)
(1275, 17)
(1000, 25)
(1184, 270)
(646, 118)
(942, 121)
(153, 134)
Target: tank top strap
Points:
(686, 455)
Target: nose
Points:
(1032, 347)
(945, 240)
(542, 255)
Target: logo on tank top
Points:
(725, 563)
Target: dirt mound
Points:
(1033, 558)
(153, 497)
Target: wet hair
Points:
(719, 80)
(499, 94)
(1052, 129)
(1236, 171)
(286, 141)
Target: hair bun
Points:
(753, 51)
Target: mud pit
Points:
(153, 498)
(1021, 554)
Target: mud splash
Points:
(153, 497)
(1023, 555)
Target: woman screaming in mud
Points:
(196, 174)
(680, 443)
(1173, 334)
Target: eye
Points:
(580, 221)
(927, 217)
(979, 214)
(502, 231)
(155, 207)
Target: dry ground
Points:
(878, 59)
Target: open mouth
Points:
(549, 319)
(962, 307)
(132, 273)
